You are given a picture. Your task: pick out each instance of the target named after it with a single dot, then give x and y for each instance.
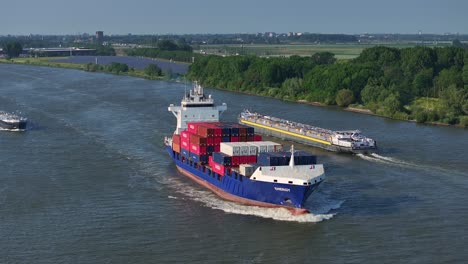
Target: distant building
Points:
(99, 37)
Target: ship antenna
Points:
(291, 162)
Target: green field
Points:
(44, 61)
(341, 51)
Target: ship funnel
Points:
(291, 162)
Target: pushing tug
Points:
(232, 161)
(350, 141)
(10, 121)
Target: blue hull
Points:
(241, 189)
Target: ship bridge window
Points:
(305, 183)
(290, 182)
(275, 180)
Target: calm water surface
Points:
(89, 182)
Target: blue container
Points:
(198, 158)
(226, 139)
(185, 153)
(304, 158)
(273, 158)
(225, 130)
(235, 132)
(210, 149)
(250, 131)
(222, 158)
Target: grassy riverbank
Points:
(51, 62)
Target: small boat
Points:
(14, 122)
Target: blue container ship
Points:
(234, 163)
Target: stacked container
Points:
(283, 158)
(216, 167)
(224, 145)
(241, 152)
(266, 146)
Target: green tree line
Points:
(152, 71)
(397, 83)
(165, 49)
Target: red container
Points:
(242, 131)
(257, 137)
(250, 138)
(210, 141)
(218, 132)
(199, 140)
(234, 139)
(242, 138)
(204, 130)
(185, 143)
(192, 127)
(185, 135)
(243, 159)
(217, 141)
(235, 160)
(218, 168)
(217, 148)
(176, 139)
(197, 149)
(252, 159)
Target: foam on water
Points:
(13, 130)
(320, 210)
(374, 157)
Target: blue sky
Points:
(239, 16)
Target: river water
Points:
(89, 182)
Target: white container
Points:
(266, 146)
(246, 169)
(252, 150)
(229, 148)
(238, 149)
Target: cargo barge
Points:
(349, 141)
(232, 161)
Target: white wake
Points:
(320, 206)
(406, 164)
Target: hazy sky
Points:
(234, 16)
